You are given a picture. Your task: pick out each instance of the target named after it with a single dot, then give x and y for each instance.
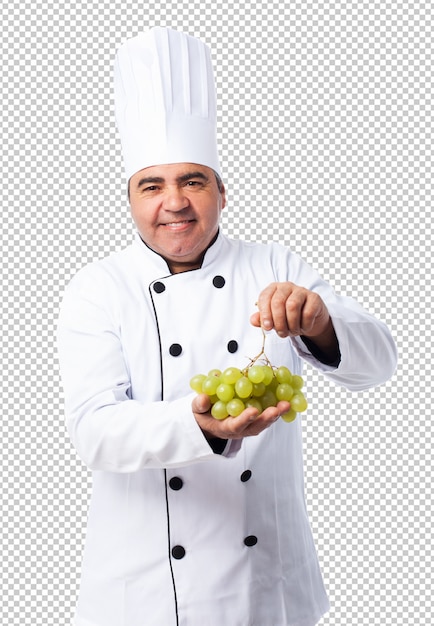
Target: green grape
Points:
(196, 382)
(257, 386)
(231, 375)
(256, 374)
(273, 385)
(258, 389)
(283, 375)
(235, 406)
(210, 384)
(284, 392)
(298, 402)
(253, 402)
(289, 416)
(243, 387)
(225, 392)
(219, 410)
(297, 381)
(268, 374)
(268, 399)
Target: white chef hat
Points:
(165, 101)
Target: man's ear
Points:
(223, 195)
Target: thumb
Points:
(201, 403)
(255, 319)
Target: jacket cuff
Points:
(218, 445)
(225, 447)
(319, 354)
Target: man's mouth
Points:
(178, 225)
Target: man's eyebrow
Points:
(149, 180)
(152, 180)
(189, 175)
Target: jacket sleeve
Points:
(368, 351)
(111, 431)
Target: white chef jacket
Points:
(177, 534)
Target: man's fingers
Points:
(279, 307)
(294, 307)
(290, 310)
(249, 423)
(255, 319)
(266, 419)
(201, 403)
(264, 306)
(315, 316)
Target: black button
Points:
(245, 476)
(176, 483)
(232, 346)
(175, 349)
(159, 287)
(178, 552)
(218, 281)
(250, 541)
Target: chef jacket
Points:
(179, 535)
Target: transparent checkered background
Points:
(325, 133)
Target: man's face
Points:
(176, 209)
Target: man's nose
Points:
(175, 199)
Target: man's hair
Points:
(219, 182)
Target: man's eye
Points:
(150, 188)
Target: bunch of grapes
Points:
(258, 385)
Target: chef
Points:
(195, 521)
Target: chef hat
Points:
(165, 101)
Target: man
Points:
(195, 521)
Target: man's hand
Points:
(248, 424)
(294, 311)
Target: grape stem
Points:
(261, 354)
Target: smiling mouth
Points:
(178, 224)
